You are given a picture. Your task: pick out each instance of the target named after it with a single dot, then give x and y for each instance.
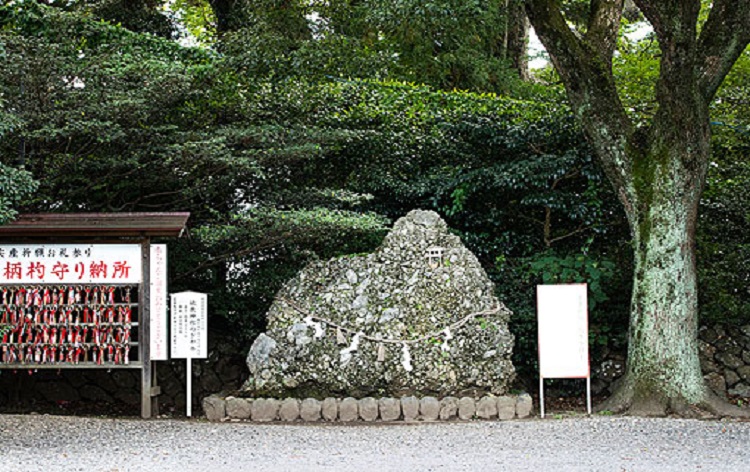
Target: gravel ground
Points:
(57, 443)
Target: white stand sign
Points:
(562, 314)
(189, 333)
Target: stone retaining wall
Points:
(725, 359)
(368, 409)
(724, 356)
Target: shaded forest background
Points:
(295, 131)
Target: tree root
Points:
(623, 401)
(721, 408)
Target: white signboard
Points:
(189, 326)
(563, 331)
(70, 264)
(158, 279)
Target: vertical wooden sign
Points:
(158, 281)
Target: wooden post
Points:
(144, 340)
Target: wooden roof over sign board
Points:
(95, 225)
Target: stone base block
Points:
(368, 409)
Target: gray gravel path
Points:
(53, 443)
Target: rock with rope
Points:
(416, 317)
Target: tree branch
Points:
(580, 229)
(669, 17)
(585, 66)
(604, 25)
(561, 42)
(724, 37)
(220, 259)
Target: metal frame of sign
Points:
(562, 320)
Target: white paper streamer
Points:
(346, 354)
(316, 326)
(406, 358)
(448, 337)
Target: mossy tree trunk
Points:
(658, 170)
(663, 368)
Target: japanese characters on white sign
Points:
(158, 279)
(563, 331)
(70, 263)
(189, 326)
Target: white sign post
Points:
(562, 314)
(189, 333)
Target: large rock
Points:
(421, 292)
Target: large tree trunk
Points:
(663, 369)
(661, 197)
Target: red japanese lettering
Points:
(12, 270)
(98, 270)
(60, 269)
(35, 270)
(80, 270)
(121, 270)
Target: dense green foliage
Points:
(447, 44)
(281, 160)
(723, 245)
(16, 186)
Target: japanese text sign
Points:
(70, 263)
(158, 279)
(189, 325)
